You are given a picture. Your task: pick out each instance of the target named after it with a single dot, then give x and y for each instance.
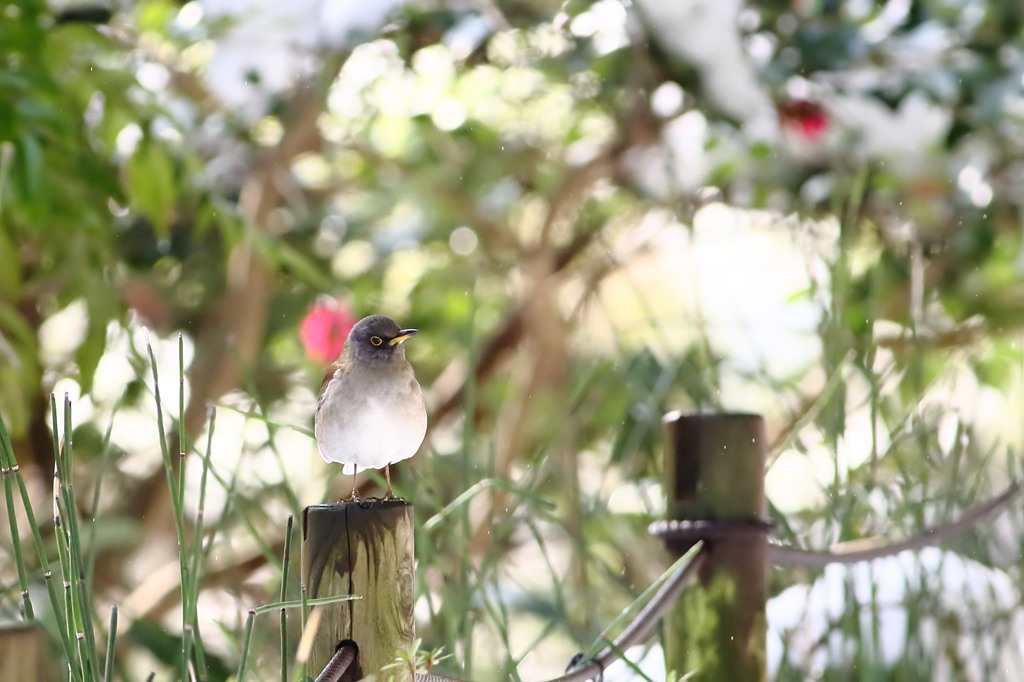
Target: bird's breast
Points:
(370, 428)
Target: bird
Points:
(370, 411)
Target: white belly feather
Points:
(369, 436)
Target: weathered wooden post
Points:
(365, 549)
(714, 480)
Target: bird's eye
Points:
(376, 340)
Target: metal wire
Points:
(637, 632)
(712, 531)
(343, 658)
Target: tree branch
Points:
(511, 330)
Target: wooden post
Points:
(714, 480)
(24, 654)
(366, 549)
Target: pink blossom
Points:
(808, 118)
(324, 329)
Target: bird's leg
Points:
(355, 474)
(388, 495)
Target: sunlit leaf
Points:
(151, 184)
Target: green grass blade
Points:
(311, 620)
(304, 606)
(56, 603)
(181, 421)
(176, 507)
(8, 469)
(284, 594)
(247, 638)
(83, 604)
(304, 603)
(229, 489)
(640, 675)
(467, 496)
(104, 464)
(164, 450)
(272, 427)
(108, 667)
(70, 612)
(197, 546)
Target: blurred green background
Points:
(595, 212)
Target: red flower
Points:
(807, 118)
(324, 329)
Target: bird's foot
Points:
(390, 496)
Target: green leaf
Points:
(153, 16)
(150, 175)
(88, 354)
(300, 265)
(10, 275)
(17, 328)
(29, 159)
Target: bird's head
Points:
(377, 341)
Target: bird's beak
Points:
(402, 336)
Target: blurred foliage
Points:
(506, 177)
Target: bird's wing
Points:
(336, 366)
